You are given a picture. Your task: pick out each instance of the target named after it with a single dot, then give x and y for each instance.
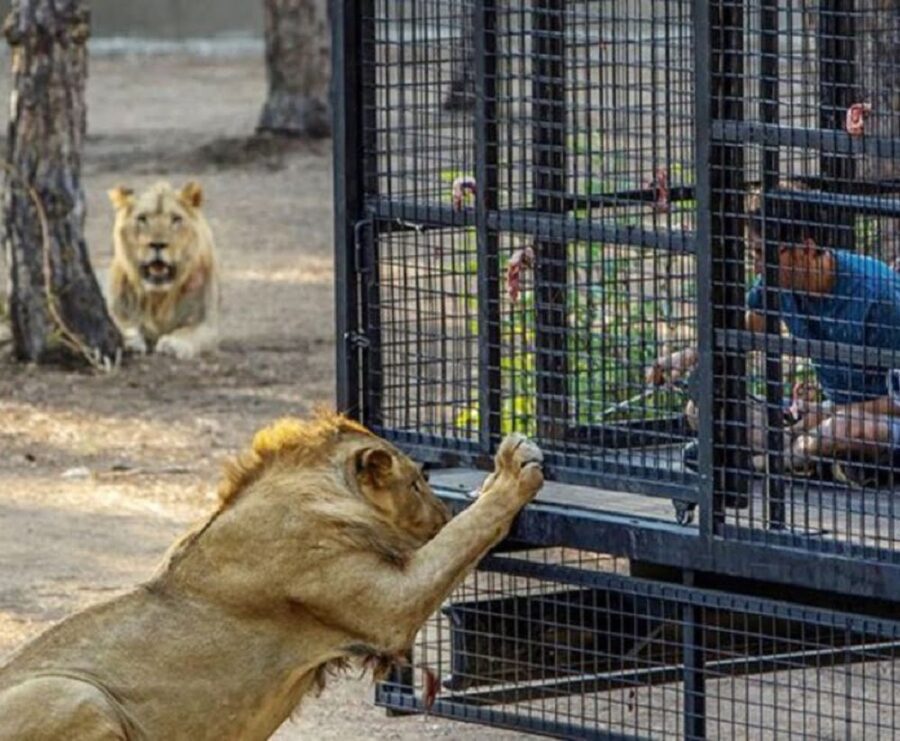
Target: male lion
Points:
(163, 282)
(328, 544)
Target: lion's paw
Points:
(134, 341)
(519, 459)
(177, 346)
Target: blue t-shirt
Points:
(863, 309)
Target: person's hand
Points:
(669, 369)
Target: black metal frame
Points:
(689, 600)
(719, 137)
(715, 550)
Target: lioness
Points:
(328, 544)
(163, 281)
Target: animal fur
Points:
(328, 546)
(164, 282)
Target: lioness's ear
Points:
(192, 194)
(373, 466)
(121, 197)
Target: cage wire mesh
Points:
(540, 298)
(560, 642)
(540, 254)
(585, 274)
(808, 244)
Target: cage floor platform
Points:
(815, 507)
(820, 516)
(466, 480)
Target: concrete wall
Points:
(173, 20)
(176, 19)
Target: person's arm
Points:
(754, 317)
(883, 406)
(668, 369)
(755, 322)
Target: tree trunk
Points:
(55, 302)
(298, 64)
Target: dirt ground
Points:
(99, 473)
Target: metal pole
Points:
(774, 392)
(837, 80)
(485, 137)
(694, 677)
(549, 181)
(727, 386)
(348, 195)
(705, 345)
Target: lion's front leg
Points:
(125, 311)
(398, 600)
(385, 604)
(134, 340)
(188, 342)
(450, 556)
(199, 332)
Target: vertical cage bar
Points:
(837, 78)
(367, 248)
(728, 392)
(485, 135)
(348, 194)
(702, 135)
(774, 391)
(371, 368)
(549, 180)
(694, 678)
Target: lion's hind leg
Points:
(52, 708)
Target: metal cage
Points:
(543, 207)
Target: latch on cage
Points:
(362, 264)
(358, 340)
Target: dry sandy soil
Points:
(99, 473)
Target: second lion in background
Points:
(163, 282)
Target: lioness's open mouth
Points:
(158, 272)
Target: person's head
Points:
(803, 265)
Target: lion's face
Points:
(397, 488)
(156, 233)
(305, 493)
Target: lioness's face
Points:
(398, 489)
(158, 233)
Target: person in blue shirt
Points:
(833, 296)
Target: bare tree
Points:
(298, 64)
(55, 303)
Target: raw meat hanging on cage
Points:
(660, 186)
(462, 186)
(430, 687)
(520, 259)
(856, 118)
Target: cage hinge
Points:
(358, 340)
(360, 243)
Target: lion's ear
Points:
(121, 197)
(374, 466)
(192, 194)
